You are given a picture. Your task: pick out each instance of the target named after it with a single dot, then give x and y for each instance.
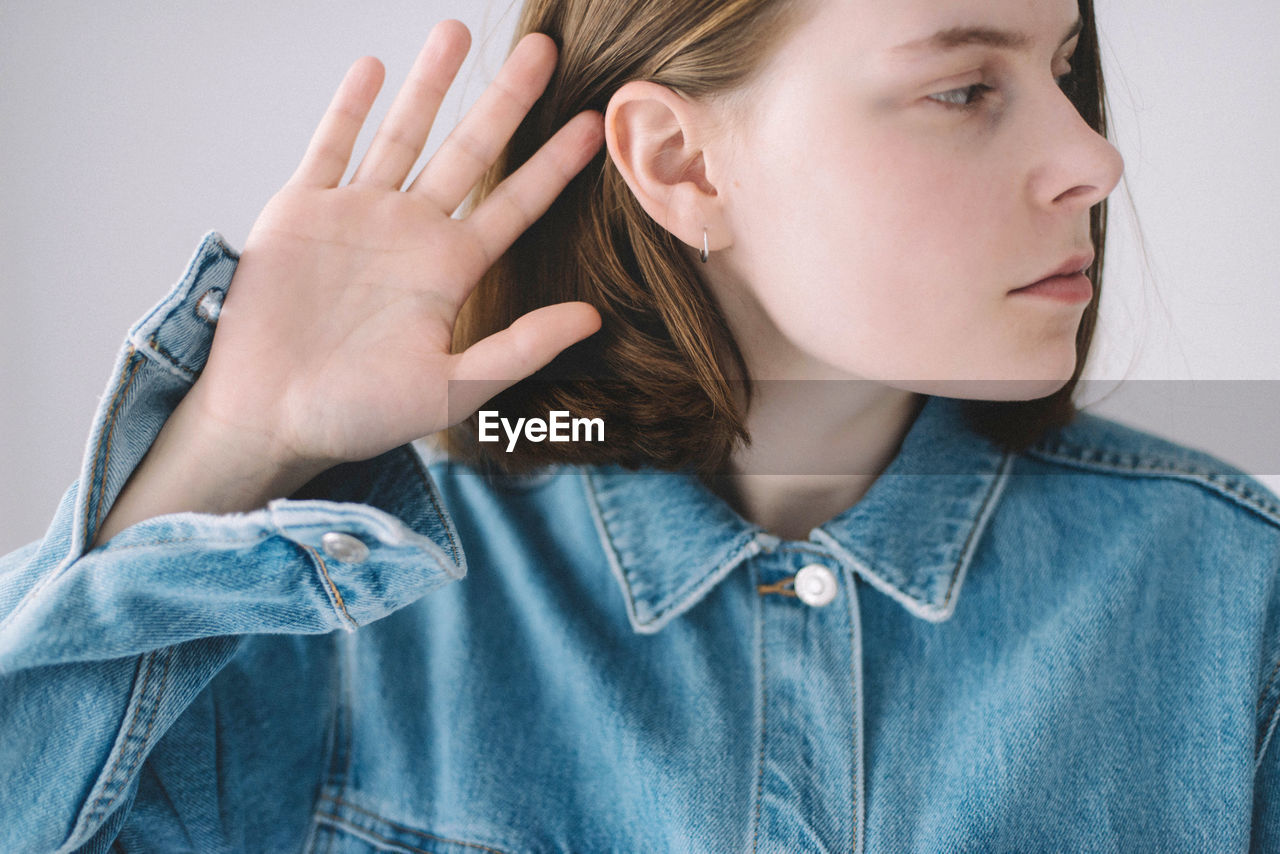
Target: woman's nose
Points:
(1080, 166)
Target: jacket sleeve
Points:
(101, 650)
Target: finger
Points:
(404, 131)
(330, 149)
(475, 143)
(506, 357)
(525, 195)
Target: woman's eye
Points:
(964, 98)
(970, 97)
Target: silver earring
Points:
(705, 250)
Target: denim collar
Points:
(670, 540)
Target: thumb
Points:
(504, 358)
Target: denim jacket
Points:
(1071, 649)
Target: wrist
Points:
(253, 455)
(200, 464)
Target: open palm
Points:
(333, 343)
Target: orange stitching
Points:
(332, 588)
(106, 461)
(397, 826)
(784, 587)
(155, 345)
(120, 386)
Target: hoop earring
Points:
(705, 250)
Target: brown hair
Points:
(658, 371)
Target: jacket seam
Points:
(147, 662)
(103, 805)
(855, 758)
(1265, 742)
(212, 250)
(335, 597)
(745, 546)
(1269, 717)
(98, 483)
(209, 541)
(966, 551)
(1226, 486)
(1266, 688)
(607, 546)
(428, 487)
(95, 486)
(170, 357)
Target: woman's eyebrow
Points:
(954, 37)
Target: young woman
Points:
(826, 560)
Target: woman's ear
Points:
(659, 142)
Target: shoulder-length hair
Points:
(658, 371)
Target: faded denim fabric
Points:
(1074, 649)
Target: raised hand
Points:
(333, 342)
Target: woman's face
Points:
(878, 228)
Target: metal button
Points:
(815, 585)
(210, 305)
(344, 547)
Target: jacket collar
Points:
(670, 539)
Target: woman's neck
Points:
(816, 448)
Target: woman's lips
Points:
(1072, 289)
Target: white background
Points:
(129, 128)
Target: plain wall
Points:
(130, 128)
